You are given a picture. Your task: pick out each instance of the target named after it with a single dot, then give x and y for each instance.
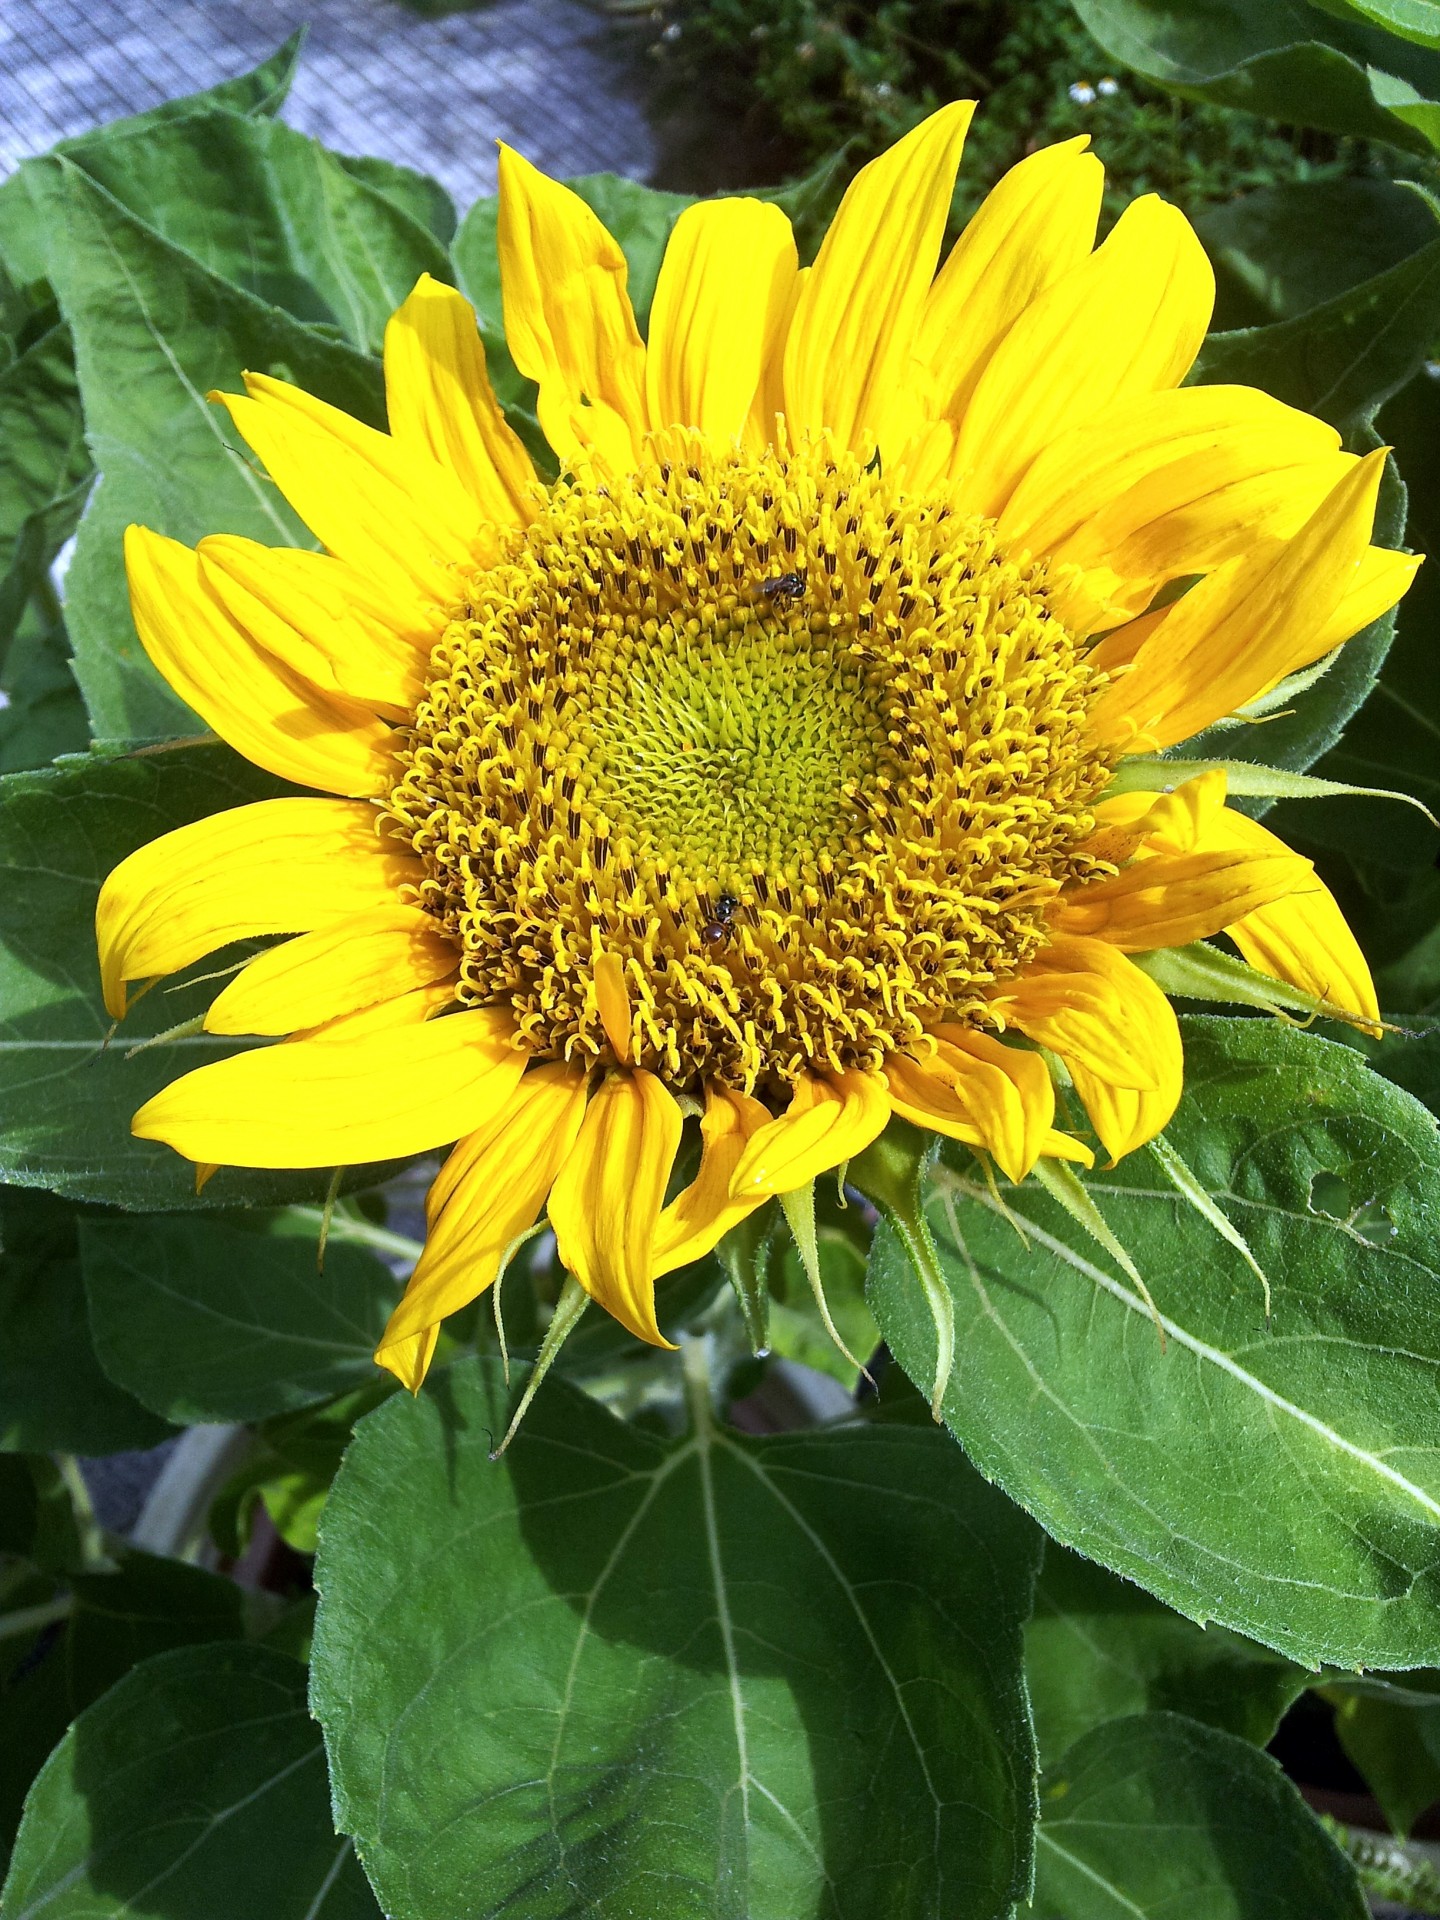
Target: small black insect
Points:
(717, 928)
(783, 589)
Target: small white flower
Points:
(1082, 93)
(672, 32)
(1107, 87)
(1432, 369)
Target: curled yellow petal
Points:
(347, 965)
(327, 1101)
(1302, 938)
(724, 289)
(488, 1193)
(831, 1118)
(440, 402)
(1170, 900)
(568, 318)
(606, 1200)
(254, 701)
(1245, 626)
(279, 866)
(698, 1218)
(612, 1000)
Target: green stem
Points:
(28, 1620)
(346, 1227)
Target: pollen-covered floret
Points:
(807, 754)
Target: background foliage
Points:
(665, 1659)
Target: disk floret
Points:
(806, 754)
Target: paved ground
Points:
(545, 75)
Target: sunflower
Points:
(760, 770)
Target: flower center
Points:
(806, 754)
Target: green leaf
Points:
(203, 1320)
(1279, 1479)
(114, 1620)
(1392, 1735)
(709, 1677)
(1282, 59)
(45, 715)
(290, 1470)
(195, 1786)
(154, 331)
(1153, 1816)
(24, 238)
(44, 469)
(53, 1393)
(1283, 250)
(1099, 1649)
(1417, 20)
(424, 200)
(270, 211)
(67, 1088)
(1345, 357)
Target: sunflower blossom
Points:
(763, 767)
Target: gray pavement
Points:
(546, 75)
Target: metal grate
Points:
(544, 75)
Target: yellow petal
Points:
(409, 1359)
(1093, 1007)
(1172, 899)
(1008, 1090)
(1302, 938)
(1129, 320)
(1126, 1117)
(324, 1102)
(1030, 230)
(322, 619)
(698, 1218)
(260, 706)
(1244, 627)
(851, 340)
(932, 1100)
(488, 1193)
(568, 318)
(606, 1200)
(612, 1001)
(1173, 484)
(830, 1119)
(441, 404)
(280, 866)
(724, 289)
(1381, 580)
(347, 965)
(390, 510)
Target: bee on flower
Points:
(557, 736)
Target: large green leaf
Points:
(1156, 1816)
(53, 1394)
(202, 1320)
(1099, 1649)
(1285, 249)
(1281, 1479)
(1280, 58)
(713, 1677)
(114, 1620)
(1417, 20)
(263, 207)
(24, 240)
(194, 1790)
(154, 331)
(68, 1087)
